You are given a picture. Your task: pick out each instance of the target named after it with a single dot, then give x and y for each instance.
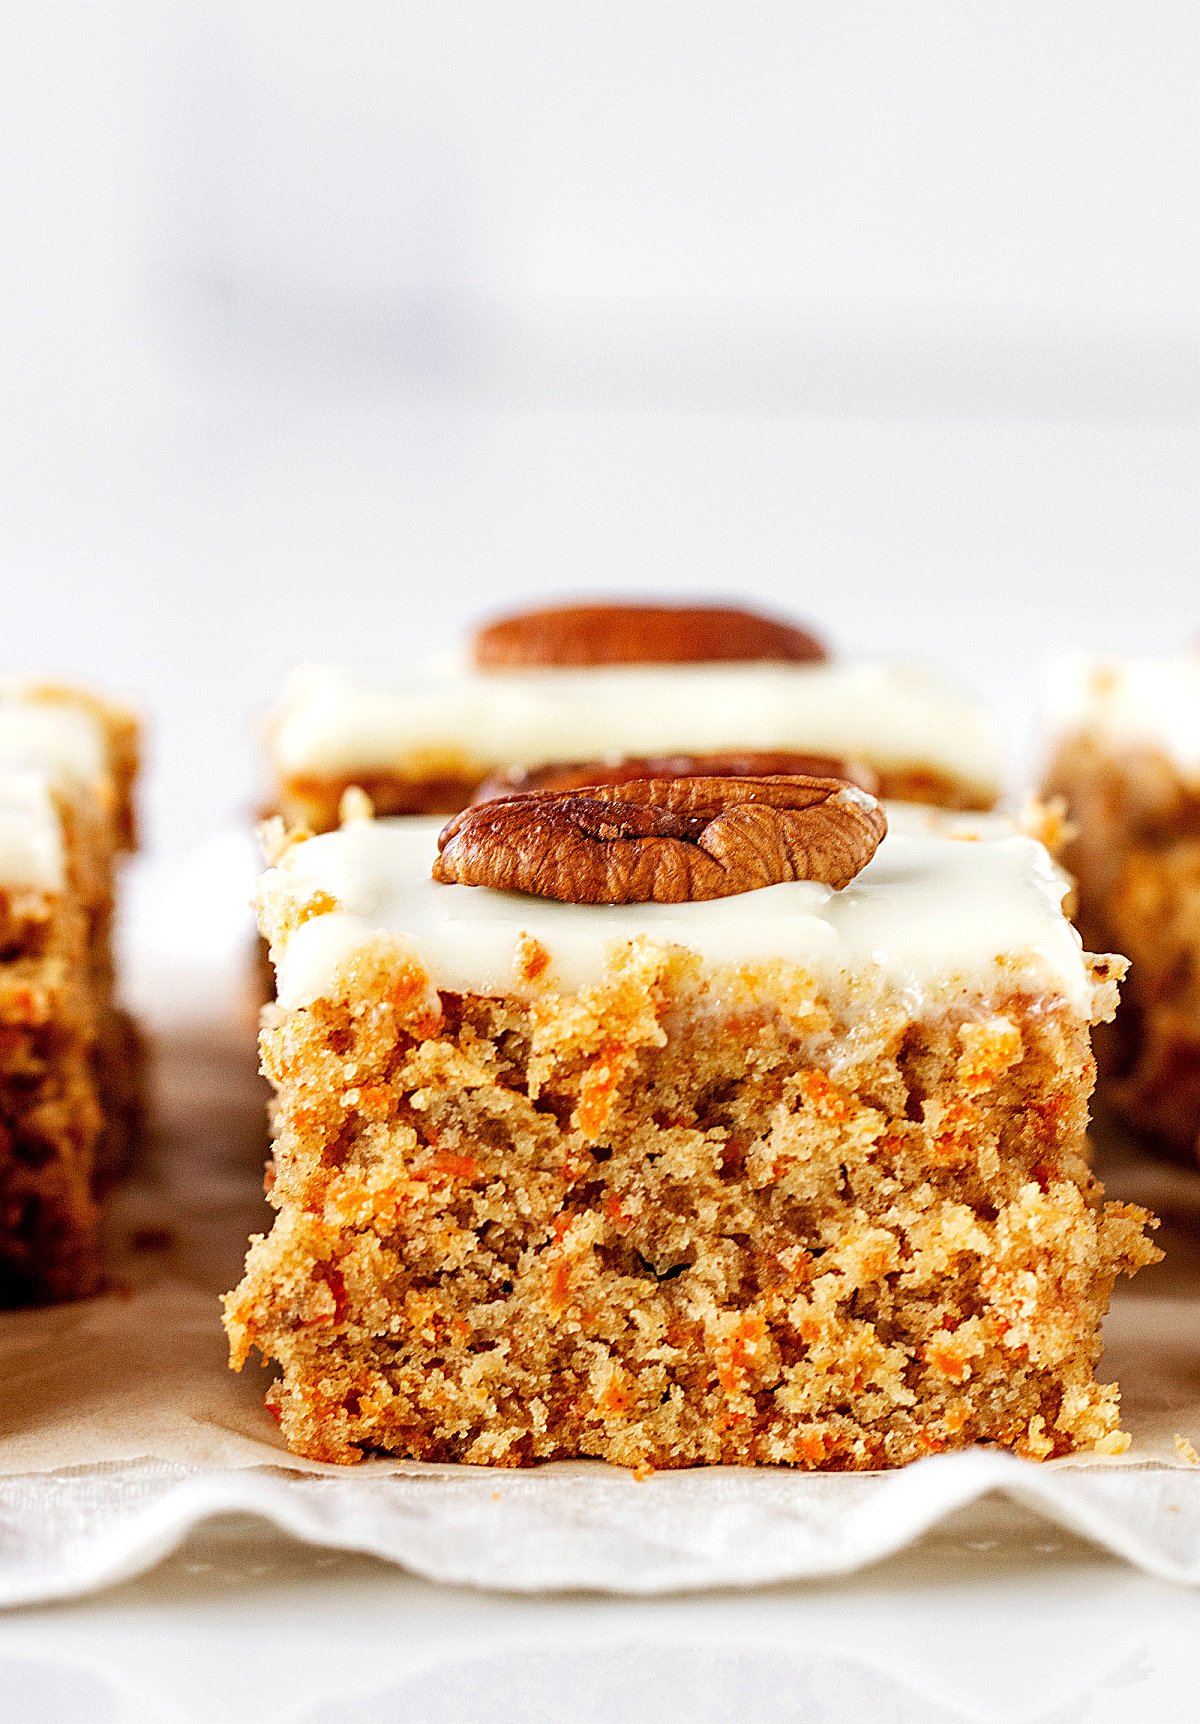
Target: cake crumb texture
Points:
(70, 1059)
(684, 1216)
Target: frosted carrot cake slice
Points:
(682, 1121)
(69, 1088)
(1125, 757)
(587, 682)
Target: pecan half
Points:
(742, 763)
(663, 841)
(632, 633)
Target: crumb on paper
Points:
(1115, 1443)
(1186, 1451)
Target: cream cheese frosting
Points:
(1153, 701)
(32, 853)
(930, 914)
(331, 724)
(62, 740)
(44, 744)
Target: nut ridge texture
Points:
(664, 840)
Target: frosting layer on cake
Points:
(333, 724)
(65, 742)
(944, 906)
(32, 853)
(45, 746)
(1133, 702)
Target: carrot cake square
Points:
(69, 1090)
(680, 1122)
(1125, 758)
(605, 681)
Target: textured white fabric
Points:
(576, 1526)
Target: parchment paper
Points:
(121, 1426)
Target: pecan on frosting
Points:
(663, 841)
(732, 763)
(572, 636)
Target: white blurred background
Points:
(324, 329)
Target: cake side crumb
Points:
(684, 1216)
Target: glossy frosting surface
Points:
(43, 744)
(31, 838)
(332, 724)
(64, 741)
(931, 912)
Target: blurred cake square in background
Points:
(70, 1086)
(600, 682)
(1125, 757)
